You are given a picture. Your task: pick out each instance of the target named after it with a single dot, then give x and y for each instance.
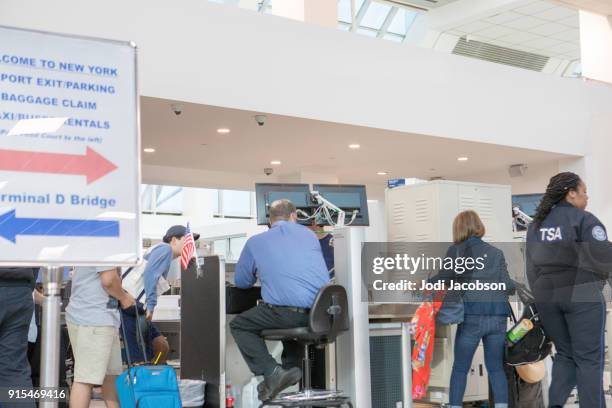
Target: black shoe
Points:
(263, 394)
(281, 379)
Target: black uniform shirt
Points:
(570, 243)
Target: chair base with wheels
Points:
(307, 396)
(328, 318)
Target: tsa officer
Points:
(568, 261)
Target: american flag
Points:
(188, 248)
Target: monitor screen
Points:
(349, 198)
(266, 193)
(527, 203)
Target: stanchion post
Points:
(50, 352)
(406, 365)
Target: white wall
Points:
(534, 181)
(175, 176)
(224, 56)
(597, 162)
(377, 231)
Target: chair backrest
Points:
(329, 314)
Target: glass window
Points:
(394, 37)
(375, 15)
(344, 11)
(161, 199)
(358, 5)
(169, 200)
(369, 33)
(147, 198)
(213, 198)
(265, 7)
(236, 203)
(402, 21)
(219, 247)
(236, 244)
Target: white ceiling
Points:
(540, 27)
(302, 145)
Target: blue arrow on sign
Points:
(11, 227)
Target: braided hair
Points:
(557, 189)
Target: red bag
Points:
(424, 322)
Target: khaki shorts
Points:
(97, 352)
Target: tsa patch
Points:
(599, 233)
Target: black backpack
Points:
(534, 346)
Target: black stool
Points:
(328, 318)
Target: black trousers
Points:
(16, 307)
(246, 329)
(577, 331)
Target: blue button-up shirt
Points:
(289, 262)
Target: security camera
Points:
(268, 171)
(517, 170)
(177, 109)
(260, 119)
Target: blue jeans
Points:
(133, 341)
(492, 331)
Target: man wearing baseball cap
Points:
(158, 263)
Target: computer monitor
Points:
(266, 193)
(349, 198)
(527, 203)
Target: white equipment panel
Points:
(425, 212)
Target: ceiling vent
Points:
(500, 55)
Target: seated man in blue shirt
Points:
(290, 266)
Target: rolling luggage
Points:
(147, 386)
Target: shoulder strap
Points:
(127, 272)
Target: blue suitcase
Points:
(147, 386)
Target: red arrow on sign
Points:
(92, 165)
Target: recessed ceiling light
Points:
(462, 158)
(382, 173)
(149, 150)
(354, 146)
(223, 131)
(275, 162)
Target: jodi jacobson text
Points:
(405, 285)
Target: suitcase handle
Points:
(127, 350)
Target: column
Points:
(596, 46)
